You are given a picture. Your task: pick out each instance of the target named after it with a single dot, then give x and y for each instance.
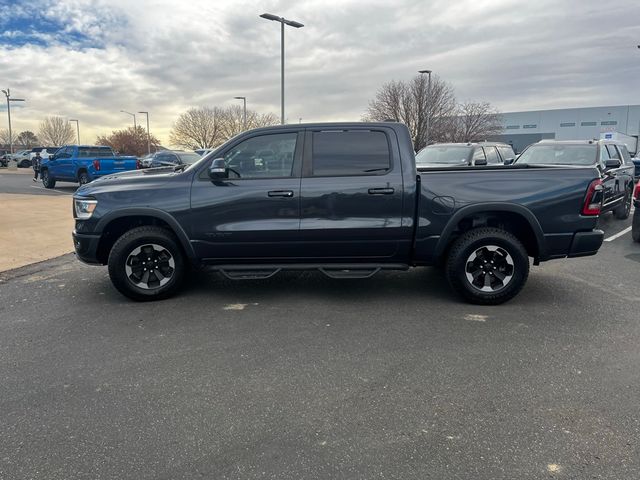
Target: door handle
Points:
(281, 193)
(381, 191)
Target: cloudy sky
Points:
(89, 59)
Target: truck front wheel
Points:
(487, 266)
(47, 181)
(147, 263)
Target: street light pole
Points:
(7, 93)
(148, 136)
(135, 127)
(428, 72)
(77, 128)
(244, 111)
(291, 23)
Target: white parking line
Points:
(617, 235)
(50, 190)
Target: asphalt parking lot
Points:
(301, 376)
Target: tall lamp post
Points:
(283, 22)
(428, 72)
(7, 93)
(244, 111)
(148, 136)
(135, 127)
(77, 128)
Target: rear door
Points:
(610, 181)
(351, 196)
(64, 169)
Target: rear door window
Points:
(353, 152)
(492, 155)
(613, 152)
(478, 155)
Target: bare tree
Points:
(198, 128)
(232, 120)
(207, 127)
(27, 139)
(4, 137)
(474, 122)
(412, 103)
(129, 141)
(55, 131)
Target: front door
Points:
(253, 215)
(351, 196)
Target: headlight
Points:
(83, 209)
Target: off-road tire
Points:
(47, 181)
(622, 212)
(138, 237)
(472, 241)
(83, 178)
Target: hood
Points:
(131, 179)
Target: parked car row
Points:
(617, 170)
(24, 158)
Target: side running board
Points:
(337, 271)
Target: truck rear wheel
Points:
(83, 178)
(487, 266)
(147, 263)
(622, 212)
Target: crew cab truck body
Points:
(344, 198)
(83, 164)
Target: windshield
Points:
(189, 158)
(559, 155)
(443, 155)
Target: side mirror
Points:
(218, 169)
(612, 163)
(480, 162)
(509, 161)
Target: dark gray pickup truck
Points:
(343, 198)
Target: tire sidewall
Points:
(623, 211)
(121, 251)
(456, 268)
(83, 178)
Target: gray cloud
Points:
(166, 56)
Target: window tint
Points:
(265, 156)
(443, 154)
(613, 153)
(492, 155)
(478, 155)
(559, 155)
(625, 154)
(506, 152)
(93, 152)
(604, 154)
(350, 153)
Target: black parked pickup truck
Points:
(343, 198)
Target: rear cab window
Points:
(349, 152)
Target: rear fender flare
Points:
(464, 212)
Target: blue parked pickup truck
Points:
(82, 164)
(342, 198)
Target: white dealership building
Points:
(620, 123)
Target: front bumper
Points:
(586, 243)
(86, 247)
